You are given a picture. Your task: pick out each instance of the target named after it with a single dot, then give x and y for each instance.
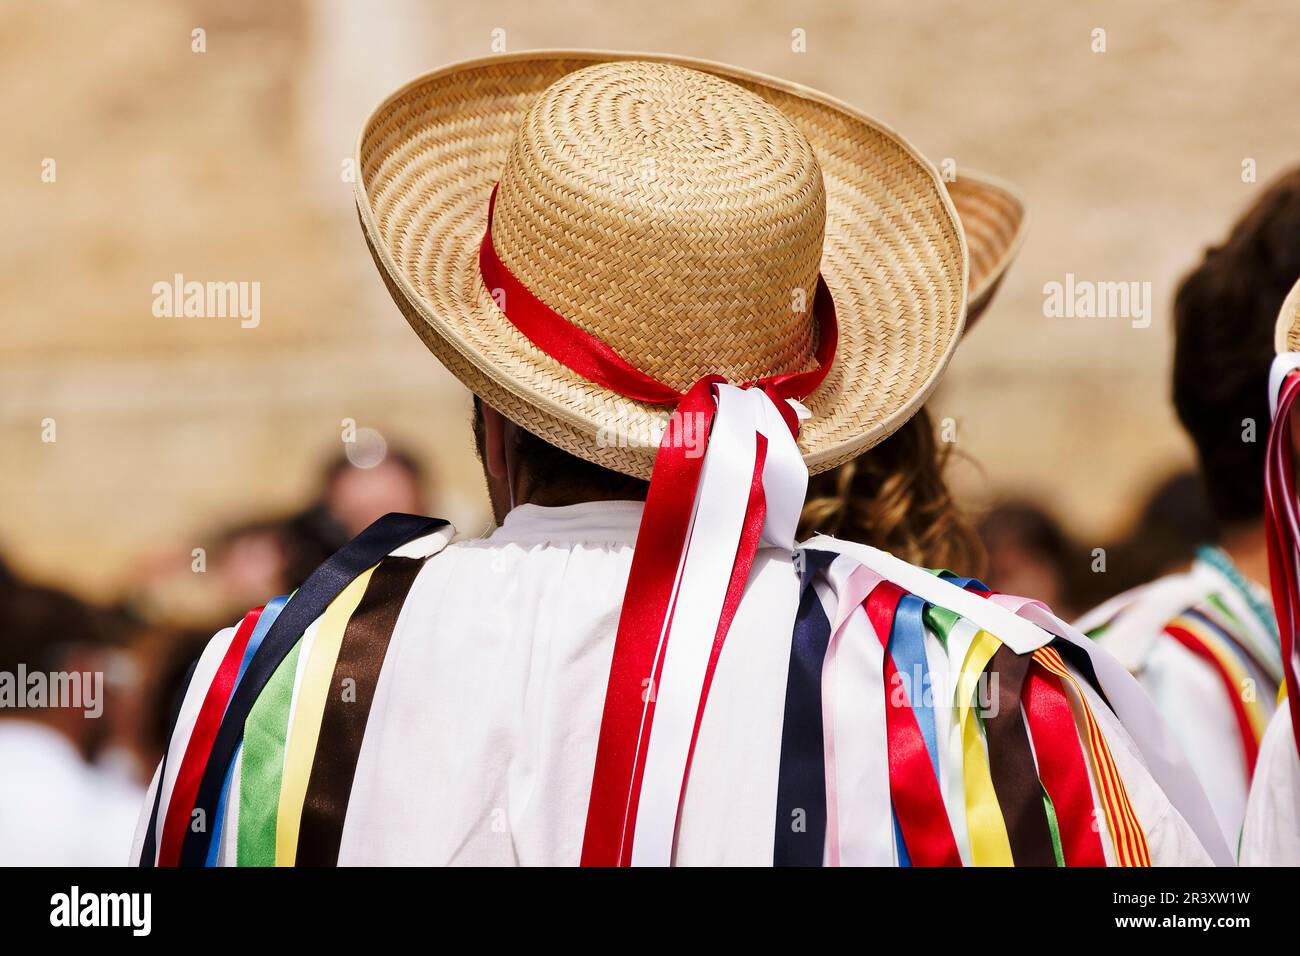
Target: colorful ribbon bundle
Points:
(704, 521)
(257, 725)
(908, 767)
(926, 722)
(1283, 522)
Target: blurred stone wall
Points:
(228, 165)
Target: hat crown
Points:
(674, 215)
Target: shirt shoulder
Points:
(281, 660)
(1271, 834)
(1130, 625)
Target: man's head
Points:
(50, 633)
(520, 467)
(356, 496)
(1224, 315)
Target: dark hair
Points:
(42, 624)
(1030, 528)
(894, 497)
(557, 477)
(339, 465)
(1174, 521)
(1224, 315)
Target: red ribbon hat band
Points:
(595, 361)
(698, 538)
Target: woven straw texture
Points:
(1286, 334)
(993, 217)
(677, 216)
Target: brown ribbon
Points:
(1012, 767)
(343, 723)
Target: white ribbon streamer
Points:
(718, 519)
(859, 818)
(1284, 363)
(204, 672)
(1017, 633)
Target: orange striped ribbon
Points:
(1126, 833)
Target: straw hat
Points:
(680, 212)
(1286, 334)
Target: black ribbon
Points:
(800, 838)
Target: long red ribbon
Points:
(913, 787)
(1061, 767)
(205, 730)
(661, 538)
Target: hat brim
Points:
(895, 258)
(994, 219)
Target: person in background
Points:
(251, 558)
(1173, 523)
(143, 679)
(1029, 553)
(57, 808)
(1205, 642)
(351, 498)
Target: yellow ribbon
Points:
(990, 845)
(304, 730)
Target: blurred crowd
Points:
(74, 777)
(74, 781)
(1028, 552)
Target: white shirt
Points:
(55, 808)
(1271, 835)
(483, 733)
(1188, 691)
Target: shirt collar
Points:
(590, 521)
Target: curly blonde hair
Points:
(894, 497)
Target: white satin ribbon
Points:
(1017, 633)
(718, 518)
(859, 822)
(1284, 363)
(204, 672)
(953, 782)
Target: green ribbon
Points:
(1055, 828)
(265, 733)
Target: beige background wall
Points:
(227, 165)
